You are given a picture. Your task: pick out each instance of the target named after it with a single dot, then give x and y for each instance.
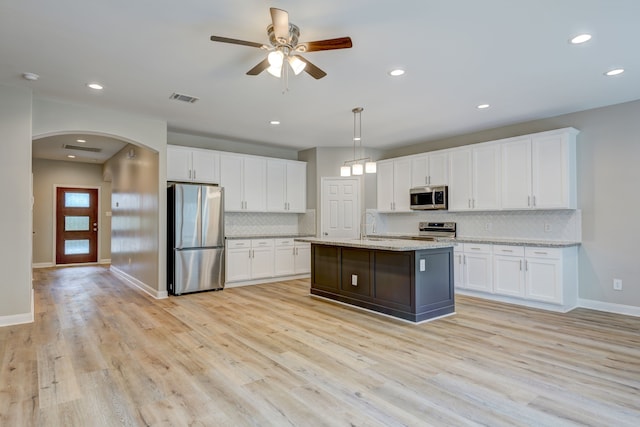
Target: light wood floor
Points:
(101, 353)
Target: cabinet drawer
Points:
(262, 243)
(537, 252)
(283, 242)
(475, 247)
(508, 250)
(238, 244)
(303, 245)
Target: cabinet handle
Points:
(194, 174)
(526, 265)
(507, 250)
(520, 265)
(540, 253)
(529, 201)
(469, 203)
(475, 249)
(534, 201)
(464, 259)
(473, 203)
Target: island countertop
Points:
(377, 243)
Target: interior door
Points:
(76, 225)
(340, 207)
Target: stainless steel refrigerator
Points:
(195, 237)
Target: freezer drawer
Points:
(198, 270)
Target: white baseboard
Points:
(140, 285)
(105, 261)
(42, 265)
(609, 307)
(266, 280)
(19, 319)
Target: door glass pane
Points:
(76, 247)
(76, 200)
(76, 223)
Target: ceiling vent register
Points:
(183, 97)
(76, 147)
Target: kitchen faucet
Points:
(364, 223)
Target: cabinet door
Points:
(516, 174)
(276, 186)
(402, 185)
(284, 261)
(262, 261)
(232, 180)
(238, 264)
(458, 270)
(302, 258)
(486, 177)
(438, 167)
(385, 186)
(544, 279)
(296, 187)
(550, 172)
(255, 184)
(419, 171)
(206, 166)
(508, 276)
(460, 180)
(178, 164)
(478, 272)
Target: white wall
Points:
(189, 140)
(15, 215)
(608, 151)
(46, 175)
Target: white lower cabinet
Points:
(251, 261)
(536, 276)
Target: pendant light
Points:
(361, 165)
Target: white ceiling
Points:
(511, 54)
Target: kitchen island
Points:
(407, 279)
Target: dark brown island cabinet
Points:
(414, 285)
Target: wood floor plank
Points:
(102, 353)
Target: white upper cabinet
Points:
(539, 171)
(244, 181)
(393, 185)
(192, 165)
(474, 178)
(430, 169)
(286, 186)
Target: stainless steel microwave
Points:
(429, 197)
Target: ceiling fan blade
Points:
(311, 69)
(263, 65)
(280, 20)
(236, 41)
(330, 44)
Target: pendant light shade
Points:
(361, 165)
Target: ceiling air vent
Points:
(183, 98)
(76, 147)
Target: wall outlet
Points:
(547, 228)
(617, 284)
(488, 226)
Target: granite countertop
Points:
(387, 244)
(491, 240)
(268, 236)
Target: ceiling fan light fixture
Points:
(297, 65)
(276, 58)
(275, 71)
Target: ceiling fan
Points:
(283, 37)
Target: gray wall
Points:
(608, 152)
(189, 140)
(46, 175)
(135, 212)
(15, 215)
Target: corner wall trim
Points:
(138, 284)
(609, 307)
(19, 319)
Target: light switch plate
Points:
(423, 265)
(354, 280)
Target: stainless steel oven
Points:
(429, 197)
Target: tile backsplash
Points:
(269, 224)
(560, 225)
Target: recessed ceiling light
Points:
(580, 38)
(396, 72)
(95, 86)
(30, 76)
(71, 156)
(614, 72)
(274, 122)
(482, 106)
(81, 140)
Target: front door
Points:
(340, 207)
(76, 225)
